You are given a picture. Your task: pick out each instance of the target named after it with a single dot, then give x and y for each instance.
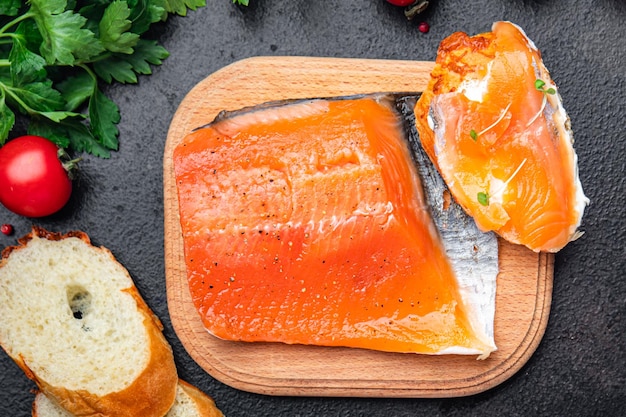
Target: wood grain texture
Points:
(524, 286)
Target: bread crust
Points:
(153, 391)
(205, 404)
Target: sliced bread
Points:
(190, 402)
(73, 320)
(43, 406)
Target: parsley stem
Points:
(100, 57)
(87, 70)
(9, 91)
(16, 21)
(93, 76)
(7, 38)
(55, 116)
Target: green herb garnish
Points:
(483, 198)
(540, 86)
(54, 56)
(242, 2)
(474, 135)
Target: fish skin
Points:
(234, 265)
(474, 254)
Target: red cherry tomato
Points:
(33, 180)
(402, 3)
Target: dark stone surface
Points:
(579, 368)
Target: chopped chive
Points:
(473, 135)
(483, 198)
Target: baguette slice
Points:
(190, 402)
(73, 320)
(43, 406)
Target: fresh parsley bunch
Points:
(54, 54)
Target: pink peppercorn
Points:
(6, 229)
(423, 27)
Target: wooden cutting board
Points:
(524, 284)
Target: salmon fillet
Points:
(305, 223)
(492, 121)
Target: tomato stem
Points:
(70, 165)
(416, 8)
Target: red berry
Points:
(402, 3)
(6, 229)
(423, 27)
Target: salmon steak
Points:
(308, 222)
(492, 121)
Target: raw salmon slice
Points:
(492, 121)
(305, 223)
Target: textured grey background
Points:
(579, 368)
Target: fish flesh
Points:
(473, 254)
(492, 121)
(307, 222)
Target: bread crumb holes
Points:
(79, 300)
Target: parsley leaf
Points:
(70, 133)
(180, 6)
(54, 55)
(143, 13)
(7, 119)
(115, 68)
(147, 52)
(123, 68)
(50, 130)
(37, 97)
(26, 66)
(57, 116)
(104, 115)
(114, 28)
(9, 7)
(76, 90)
(82, 139)
(64, 39)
